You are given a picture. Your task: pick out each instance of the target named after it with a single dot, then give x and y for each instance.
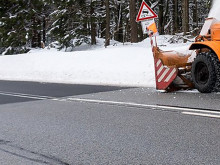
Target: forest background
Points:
(65, 24)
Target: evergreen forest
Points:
(65, 24)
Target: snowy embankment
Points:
(123, 65)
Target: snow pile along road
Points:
(123, 65)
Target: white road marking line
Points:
(201, 114)
(26, 96)
(188, 111)
(143, 105)
(163, 75)
(23, 94)
(170, 75)
(113, 102)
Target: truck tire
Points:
(217, 71)
(204, 73)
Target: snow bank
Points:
(123, 65)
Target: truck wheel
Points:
(204, 73)
(217, 71)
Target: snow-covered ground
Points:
(123, 65)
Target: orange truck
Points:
(174, 71)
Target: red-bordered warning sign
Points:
(145, 13)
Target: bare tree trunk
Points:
(107, 30)
(173, 17)
(176, 18)
(39, 34)
(185, 16)
(36, 35)
(118, 34)
(195, 17)
(161, 17)
(165, 18)
(44, 30)
(102, 23)
(140, 32)
(93, 25)
(133, 23)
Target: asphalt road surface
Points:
(62, 124)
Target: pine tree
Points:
(69, 27)
(21, 26)
(14, 28)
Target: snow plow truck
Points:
(174, 71)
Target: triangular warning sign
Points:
(145, 13)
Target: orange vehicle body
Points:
(210, 39)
